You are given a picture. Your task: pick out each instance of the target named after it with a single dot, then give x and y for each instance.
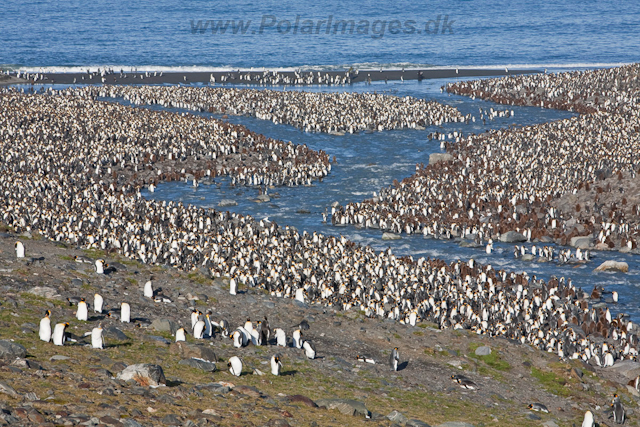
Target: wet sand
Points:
(234, 76)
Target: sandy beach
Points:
(234, 77)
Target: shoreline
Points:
(240, 76)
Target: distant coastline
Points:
(234, 77)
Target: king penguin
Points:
(276, 365)
(309, 350)
(235, 366)
(125, 312)
(97, 340)
(281, 337)
(297, 338)
(19, 249)
(99, 266)
(394, 359)
(232, 286)
(58, 333)
(198, 329)
(98, 301)
(148, 290)
(45, 327)
(588, 420)
(82, 313)
(181, 335)
(618, 410)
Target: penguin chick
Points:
(276, 365)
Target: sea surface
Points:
(73, 35)
(205, 34)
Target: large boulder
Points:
(627, 368)
(439, 157)
(199, 364)
(144, 374)
(43, 291)
(613, 266)
(512, 237)
(397, 417)
(164, 325)
(10, 350)
(195, 351)
(227, 203)
(581, 242)
(345, 406)
(483, 350)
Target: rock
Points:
(632, 390)
(214, 387)
(613, 266)
(582, 242)
(512, 237)
(164, 325)
(155, 339)
(303, 211)
(549, 423)
(439, 157)
(248, 390)
(130, 422)
(263, 198)
(195, 351)
(390, 236)
(416, 423)
(527, 257)
(43, 291)
(483, 351)
(59, 357)
(455, 424)
(7, 389)
(298, 398)
(226, 203)
(144, 374)
(397, 417)
(114, 333)
(199, 364)
(627, 368)
(275, 422)
(171, 419)
(345, 406)
(11, 350)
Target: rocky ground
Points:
(43, 384)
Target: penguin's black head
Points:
(530, 406)
(229, 364)
(47, 313)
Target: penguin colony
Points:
(312, 112)
(57, 180)
(508, 180)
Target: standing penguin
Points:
(413, 317)
(235, 366)
(97, 340)
(125, 312)
(99, 266)
(224, 327)
(276, 365)
(208, 329)
(83, 312)
(618, 410)
(588, 420)
(281, 337)
(309, 350)
(98, 301)
(19, 249)
(195, 314)
(148, 290)
(394, 358)
(181, 335)
(198, 329)
(297, 338)
(58, 333)
(233, 287)
(265, 331)
(45, 327)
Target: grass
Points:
(553, 382)
(492, 360)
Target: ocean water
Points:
(203, 34)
